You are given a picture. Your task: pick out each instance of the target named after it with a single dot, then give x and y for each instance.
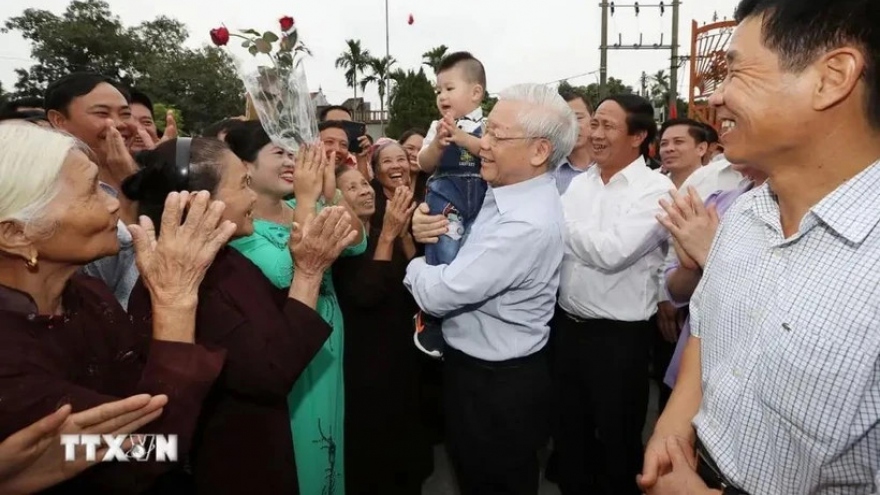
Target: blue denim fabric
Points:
(459, 198)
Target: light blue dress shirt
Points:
(565, 173)
(497, 297)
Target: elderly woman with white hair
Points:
(65, 338)
(497, 297)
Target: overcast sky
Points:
(517, 40)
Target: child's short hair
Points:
(472, 68)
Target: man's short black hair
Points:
(332, 124)
(323, 115)
(19, 103)
(639, 118)
(697, 130)
(62, 92)
(27, 115)
(471, 67)
(799, 31)
(571, 94)
(141, 98)
(711, 134)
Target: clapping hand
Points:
(171, 131)
(174, 264)
(308, 173)
(692, 226)
(317, 243)
(398, 213)
(33, 459)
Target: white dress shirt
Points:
(615, 246)
(497, 296)
(717, 175)
(790, 344)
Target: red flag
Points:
(673, 111)
(410, 20)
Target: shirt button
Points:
(736, 373)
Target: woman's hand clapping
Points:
(398, 213)
(317, 243)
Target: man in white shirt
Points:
(608, 293)
(779, 386)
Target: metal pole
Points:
(387, 57)
(673, 64)
(603, 50)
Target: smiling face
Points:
(357, 193)
(392, 168)
(613, 147)
(87, 116)
(235, 191)
(412, 146)
(762, 108)
(335, 140)
(507, 154)
(272, 172)
(143, 118)
(455, 94)
(679, 150)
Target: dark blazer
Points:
(244, 443)
(90, 355)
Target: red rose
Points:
(220, 36)
(286, 23)
(411, 20)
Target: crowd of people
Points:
(316, 321)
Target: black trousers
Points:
(601, 378)
(496, 421)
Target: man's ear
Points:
(14, 242)
(56, 118)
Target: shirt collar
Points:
(628, 173)
(846, 210)
(18, 302)
(475, 116)
(851, 210)
(508, 197)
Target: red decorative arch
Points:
(708, 66)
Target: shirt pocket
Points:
(813, 372)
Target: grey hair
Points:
(31, 158)
(548, 116)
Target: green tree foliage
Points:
(413, 103)
(88, 37)
(594, 93)
(4, 96)
(432, 57)
(160, 112)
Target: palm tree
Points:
(355, 61)
(433, 57)
(380, 70)
(660, 89)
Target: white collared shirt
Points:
(615, 246)
(789, 333)
(717, 175)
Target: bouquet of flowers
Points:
(277, 88)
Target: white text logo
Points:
(162, 448)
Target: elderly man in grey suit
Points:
(497, 297)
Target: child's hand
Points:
(443, 137)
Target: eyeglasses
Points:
(494, 140)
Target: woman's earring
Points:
(32, 263)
